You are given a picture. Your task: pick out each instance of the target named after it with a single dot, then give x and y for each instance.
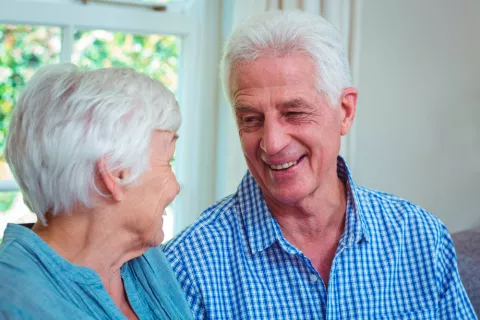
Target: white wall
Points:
(230, 162)
(417, 127)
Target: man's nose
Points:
(275, 137)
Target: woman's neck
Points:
(98, 241)
(95, 240)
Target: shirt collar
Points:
(355, 224)
(257, 218)
(262, 229)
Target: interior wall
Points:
(417, 127)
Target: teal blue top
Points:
(37, 283)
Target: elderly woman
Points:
(91, 151)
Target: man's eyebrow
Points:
(175, 137)
(297, 103)
(242, 108)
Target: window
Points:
(165, 44)
(23, 49)
(155, 55)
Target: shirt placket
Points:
(330, 312)
(317, 285)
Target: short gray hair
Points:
(67, 119)
(280, 33)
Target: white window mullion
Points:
(8, 185)
(67, 43)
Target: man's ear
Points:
(348, 104)
(111, 180)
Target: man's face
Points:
(290, 135)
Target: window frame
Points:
(195, 23)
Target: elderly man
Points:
(299, 240)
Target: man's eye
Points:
(250, 121)
(293, 114)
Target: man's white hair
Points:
(280, 33)
(67, 119)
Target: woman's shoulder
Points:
(26, 277)
(154, 273)
(21, 258)
(18, 262)
(21, 272)
(15, 266)
(24, 287)
(28, 298)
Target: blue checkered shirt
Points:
(394, 261)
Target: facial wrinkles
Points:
(274, 117)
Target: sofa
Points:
(467, 246)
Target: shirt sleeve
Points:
(189, 287)
(453, 302)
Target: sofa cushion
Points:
(467, 246)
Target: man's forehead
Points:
(295, 68)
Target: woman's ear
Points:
(112, 181)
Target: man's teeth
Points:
(283, 166)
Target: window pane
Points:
(23, 49)
(155, 55)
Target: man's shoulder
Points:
(387, 210)
(217, 221)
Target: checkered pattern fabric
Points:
(394, 261)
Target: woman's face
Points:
(155, 190)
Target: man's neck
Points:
(321, 212)
(316, 224)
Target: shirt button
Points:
(313, 278)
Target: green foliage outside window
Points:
(23, 49)
(155, 55)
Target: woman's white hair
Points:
(67, 119)
(280, 33)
